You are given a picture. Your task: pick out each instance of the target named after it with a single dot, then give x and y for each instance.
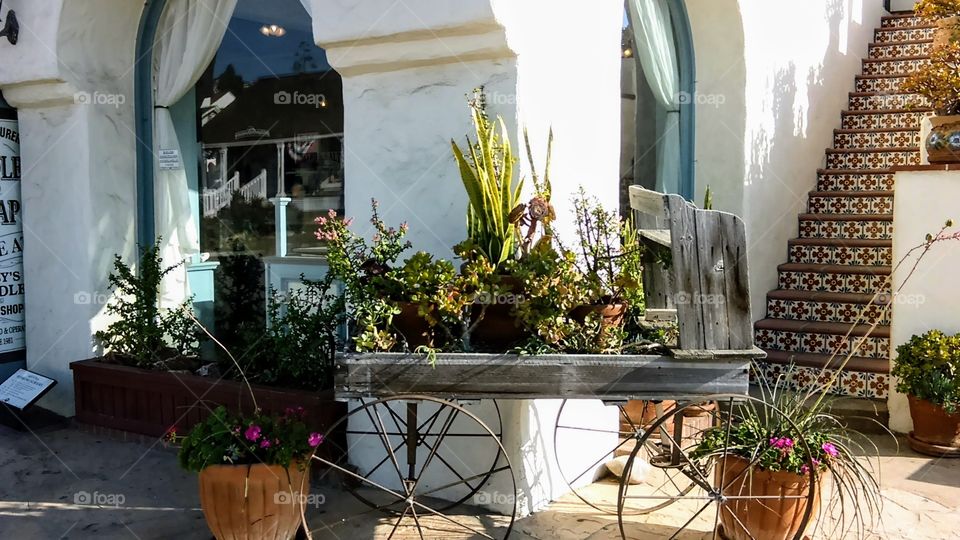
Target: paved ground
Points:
(72, 484)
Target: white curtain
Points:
(657, 54)
(187, 39)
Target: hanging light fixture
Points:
(272, 30)
(627, 53)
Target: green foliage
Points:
(239, 300)
(609, 253)
(298, 347)
(226, 439)
(938, 80)
(486, 169)
(143, 334)
(928, 367)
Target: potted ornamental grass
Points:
(927, 369)
(253, 471)
(778, 451)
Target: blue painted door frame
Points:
(143, 97)
(686, 62)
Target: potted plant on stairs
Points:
(928, 370)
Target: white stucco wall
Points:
(928, 299)
(782, 92)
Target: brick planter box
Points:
(149, 402)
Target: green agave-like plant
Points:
(488, 176)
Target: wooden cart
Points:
(412, 416)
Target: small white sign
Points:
(23, 388)
(169, 159)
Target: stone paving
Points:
(69, 483)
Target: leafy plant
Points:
(928, 367)
(143, 334)
(538, 213)
(937, 8)
(227, 439)
(361, 268)
(486, 169)
(609, 253)
(939, 80)
(298, 347)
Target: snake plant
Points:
(486, 168)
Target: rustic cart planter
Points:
(151, 402)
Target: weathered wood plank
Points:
(686, 273)
(737, 282)
(555, 376)
(648, 202)
(711, 299)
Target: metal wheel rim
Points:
(501, 451)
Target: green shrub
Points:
(928, 367)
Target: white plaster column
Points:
(929, 297)
(75, 107)
(407, 70)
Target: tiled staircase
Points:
(843, 255)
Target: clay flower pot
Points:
(414, 328)
(253, 502)
(770, 519)
(941, 135)
(933, 425)
(499, 329)
(611, 314)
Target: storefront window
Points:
(268, 116)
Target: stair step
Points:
(823, 338)
(900, 49)
(830, 280)
(842, 254)
(904, 33)
(826, 307)
(872, 101)
(850, 180)
(902, 119)
(856, 363)
(895, 66)
(878, 83)
(901, 20)
(851, 202)
(836, 226)
(871, 158)
(876, 138)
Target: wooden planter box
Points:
(150, 402)
(508, 376)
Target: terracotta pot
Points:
(932, 424)
(644, 413)
(270, 510)
(769, 519)
(942, 142)
(412, 326)
(944, 34)
(611, 314)
(499, 329)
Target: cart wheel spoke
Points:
(737, 519)
(399, 519)
(689, 521)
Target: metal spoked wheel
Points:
(726, 501)
(577, 461)
(427, 467)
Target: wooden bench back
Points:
(701, 271)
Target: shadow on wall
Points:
(794, 103)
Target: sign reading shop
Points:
(11, 239)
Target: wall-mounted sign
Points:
(11, 240)
(169, 159)
(23, 388)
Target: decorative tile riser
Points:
(823, 282)
(799, 310)
(887, 102)
(804, 342)
(872, 160)
(900, 120)
(899, 50)
(851, 205)
(892, 67)
(892, 35)
(854, 182)
(850, 383)
(857, 255)
(863, 230)
(882, 139)
(900, 22)
(886, 85)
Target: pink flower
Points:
(784, 444)
(320, 220)
(315, 439)
(332, 213)
(252, 433)
(830, 449)
(404, 227)
(265, 444)
(348, 221)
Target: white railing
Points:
(215, 200)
